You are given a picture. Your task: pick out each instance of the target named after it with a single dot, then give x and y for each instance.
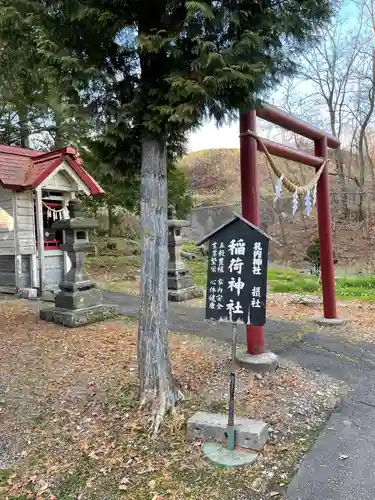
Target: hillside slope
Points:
(214, 179)
(354, 248)
(214, 175)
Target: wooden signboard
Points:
(237, 273)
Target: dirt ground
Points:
(71, 429)
(359, 315)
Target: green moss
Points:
(125, 264)
(354, 287)
(198, 269)
(70, 485)
(218, 406)
(5, 475)
(128, 398)
(190, 246)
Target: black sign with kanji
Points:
(237, 273)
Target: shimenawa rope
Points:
(287, 183)
(55, 214)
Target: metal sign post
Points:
(236, 293)
(230, 432)
(229, 456)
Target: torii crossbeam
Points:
(251, 199)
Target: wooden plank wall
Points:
(60, 181)
(25, 222)
(7, 273)
(7, 222)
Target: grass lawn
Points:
(122, 274)
(71, 427)
(115, 273)
(352, 287)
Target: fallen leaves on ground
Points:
(72, 427)
(359, 316)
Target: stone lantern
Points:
(180, 283)
(79, 302)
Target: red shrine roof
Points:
(22, 168)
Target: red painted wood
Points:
(290, 122)
(50, 245)
(250, 194)
(90, 182)
(249, 171)
(250, 205)
(52, 204)
(292, 154)
(325, 236)
(25, 168)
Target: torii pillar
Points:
(251, 198)
(250, 205)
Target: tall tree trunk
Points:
(362, 146)
(157, 386)
(110, 219)
(342, 185)
(370, 196)
(24, 128)
(362, 189)
(338, 157)
(59, 133)
(59, 136)
(371, 165)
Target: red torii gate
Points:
(250, 194)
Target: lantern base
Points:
(182, 294)
(79, 299)
(78, 317)
(223, 457)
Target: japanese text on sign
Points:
(236, 248)
(257, 258)
(236, 285)
(217, 258)
(216, 294)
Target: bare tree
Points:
(364, 112)
(364, 153)
(323, 89)
(362, 105)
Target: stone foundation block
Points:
(250, 434)
(178, 283)
(193, 292)
(81, 317)
(81, 299)
(261, 363)
(29, 293)
(329, 321)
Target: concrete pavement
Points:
(340, 465)
(185, 319)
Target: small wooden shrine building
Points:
(35, 188)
